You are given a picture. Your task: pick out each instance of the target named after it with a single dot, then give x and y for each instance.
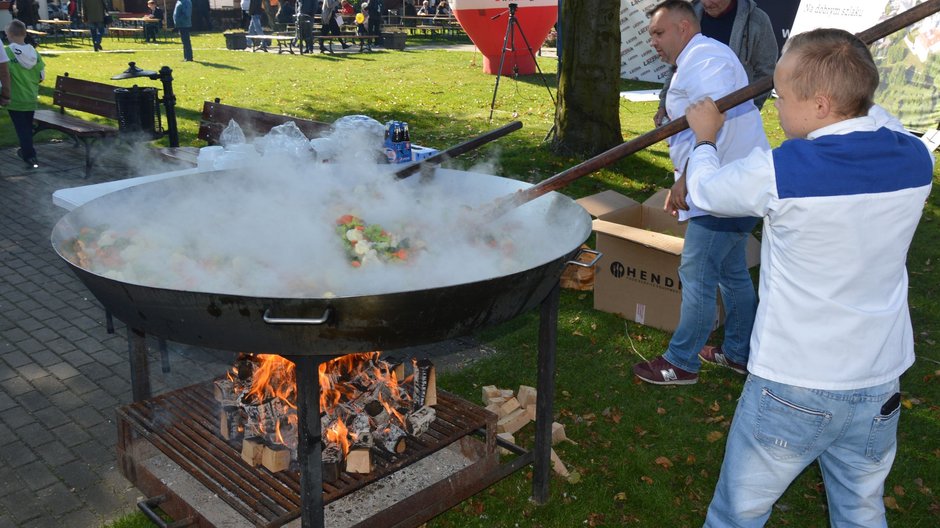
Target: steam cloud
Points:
(268, 227)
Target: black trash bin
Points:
(138, 111)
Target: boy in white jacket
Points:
(27, 70)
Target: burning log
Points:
(419, 421)
(253, 450)
(275, 458)
(224, 391)
(392, 439)
(424, 388)
(230, 424)
(332, 457)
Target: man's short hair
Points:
(837, 64)
(678, 6)
(17, 28)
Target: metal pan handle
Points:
(576, 262)
(268, 318)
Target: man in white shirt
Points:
(713, 255)
(4, 79)
(840, 199)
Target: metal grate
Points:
(184, 425)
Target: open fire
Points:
(366, 403)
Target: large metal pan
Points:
(327, 326)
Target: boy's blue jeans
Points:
(713, 258)
(778, 430)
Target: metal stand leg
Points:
(548, 335)
(164, 355)
(140, 371)
(309, 449)
(109, 321)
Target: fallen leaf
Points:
(577, 333)
(714, 436)
(899, 490)
(714, 407)
(715, 419)
(690, 459)
(620, 497)
(664, 462)
(574, 477)
(906, 403)
(660, 411)
(647, 480)
(891, 503)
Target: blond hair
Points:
(835, 63)
(16, 28)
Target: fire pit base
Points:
(167, 447)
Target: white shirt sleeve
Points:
(745, 187)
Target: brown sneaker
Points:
(661, 372)
(714, 355)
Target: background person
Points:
(183, 22)
(95, 11)
(841, 199)
(330, 25)
(713, 255)
(746, 29)
(152, 29)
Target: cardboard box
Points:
(638, 277)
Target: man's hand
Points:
(660, 118)
(675, 200)
(704, 119)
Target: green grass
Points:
(623, 428)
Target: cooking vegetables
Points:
(369, 243)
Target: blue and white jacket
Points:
(840, 209)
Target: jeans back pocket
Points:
(787, 430)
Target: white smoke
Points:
(266, 226)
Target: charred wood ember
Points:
(424, 388)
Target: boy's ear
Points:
(823, 106)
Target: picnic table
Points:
(56, 26)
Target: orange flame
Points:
(337, 433)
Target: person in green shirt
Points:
(27, 70)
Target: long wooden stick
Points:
(606, 158)
(456, 150)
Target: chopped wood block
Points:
(530, 411)
(359, 460)
(499, 400)
(558, 433)
(558, 465)
(513, 422)
(489, 391)
(508, 437)
(419, 421)
(526, 395)
(275, 458)
(494, 408)
(506, 393)
(253, 450)
(508, 407)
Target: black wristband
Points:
(705, 142)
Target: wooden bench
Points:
(365, 41)
(82, 34)
(37, 35)
(124, 32)
(216, 116)
(85, 96)
(261, 42)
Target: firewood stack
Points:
(363, 407)
(514, 411)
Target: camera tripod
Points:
(509, 44)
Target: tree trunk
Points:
(587, 116)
